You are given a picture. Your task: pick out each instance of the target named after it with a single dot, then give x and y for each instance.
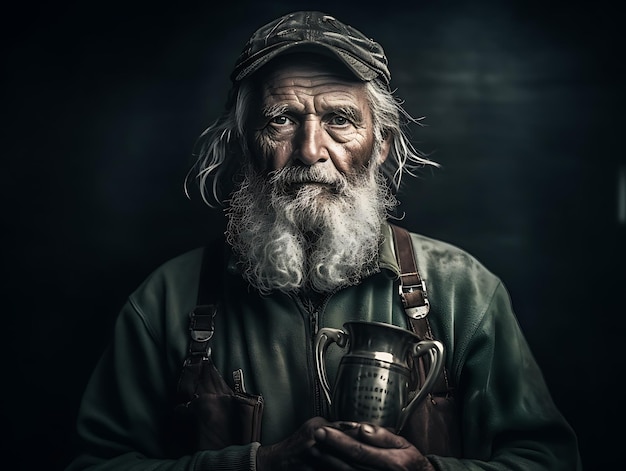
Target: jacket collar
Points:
(387, 256)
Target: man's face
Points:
(311, 115)
(308, 213)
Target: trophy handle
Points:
(435, 349)
(323, 339)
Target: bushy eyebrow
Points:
(352, 113)
(272, 111)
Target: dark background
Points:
(102, 103)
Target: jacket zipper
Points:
(317, 394)
(320, 408)
(314, 318)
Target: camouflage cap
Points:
(313, 31)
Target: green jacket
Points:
(508, 418)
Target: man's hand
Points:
(341, 446)
(365, 446)
(295, 452)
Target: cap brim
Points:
(361, 71)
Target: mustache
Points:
(288, 176)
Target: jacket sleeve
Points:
(124, 417)
(509, 420)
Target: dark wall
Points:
(102, 103)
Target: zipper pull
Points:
(314, 319)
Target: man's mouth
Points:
(295, 180)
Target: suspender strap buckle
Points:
(412, 287)
(414, 299)
(202, 328)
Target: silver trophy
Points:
(372, 382)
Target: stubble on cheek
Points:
(263, 149)
(267, 152)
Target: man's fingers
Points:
(348, 449)
(380, 437)
(367, 446)
(374, 435)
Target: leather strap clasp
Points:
(415, 300)
(412, 288)
(202, 328)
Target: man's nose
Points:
(311, 148)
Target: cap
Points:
(318, 31)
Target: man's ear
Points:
(385, 146)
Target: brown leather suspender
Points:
(412, 287)
(210, 414)
(413, 290)
(434, 426)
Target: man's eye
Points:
(339, 121)
(280, 120)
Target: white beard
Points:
(292, 234)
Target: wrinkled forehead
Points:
(294, 77)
